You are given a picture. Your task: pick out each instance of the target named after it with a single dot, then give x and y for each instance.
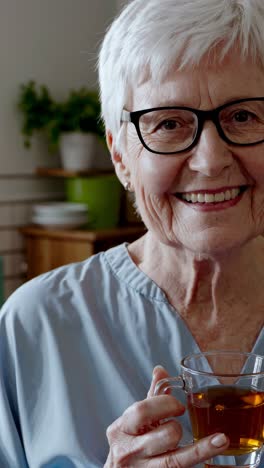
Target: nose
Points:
(211, 155)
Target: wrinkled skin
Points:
(212, 164)
(208, 262)
(137, 439)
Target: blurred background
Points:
(53, 42)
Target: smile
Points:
(210, 197)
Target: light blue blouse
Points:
(77, 347)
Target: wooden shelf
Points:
(58, 172)
(49, 248)
(84, 234)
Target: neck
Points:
(191, 280)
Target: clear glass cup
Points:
(225, 393)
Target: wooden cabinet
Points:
(47, 249)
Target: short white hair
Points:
(151, 36)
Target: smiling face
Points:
(210, 198)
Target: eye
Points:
(169, 125)
(242, 116)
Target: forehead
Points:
(203, 86)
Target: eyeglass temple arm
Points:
(125, 116)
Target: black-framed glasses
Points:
(172, 130)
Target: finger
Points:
(163, 438)
(113, 431)
(141, 416)
(194, 454)
(158, 373)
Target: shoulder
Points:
(66, 291)
(104, 292)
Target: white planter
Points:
(78, 150)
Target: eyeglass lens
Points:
(172, 130)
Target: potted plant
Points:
(73, 125)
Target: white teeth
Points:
(227, 195)
(219, 197)
(234, 193)
(200, 197)
(210, 197)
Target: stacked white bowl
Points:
(60, 215)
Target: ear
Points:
(122, 171)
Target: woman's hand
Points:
(138, 439)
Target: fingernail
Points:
(219, 440)
(157, 368)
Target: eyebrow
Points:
(181, 103)
(171, 103)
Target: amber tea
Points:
(236, 411)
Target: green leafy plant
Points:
(41, 113)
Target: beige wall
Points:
(120, 3)
(53, 42)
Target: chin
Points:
(215, 246)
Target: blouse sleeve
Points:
(12, 453)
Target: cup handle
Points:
(166, 384)
(177, 383)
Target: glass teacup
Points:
(225, 393)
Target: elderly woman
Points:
(182, 87)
